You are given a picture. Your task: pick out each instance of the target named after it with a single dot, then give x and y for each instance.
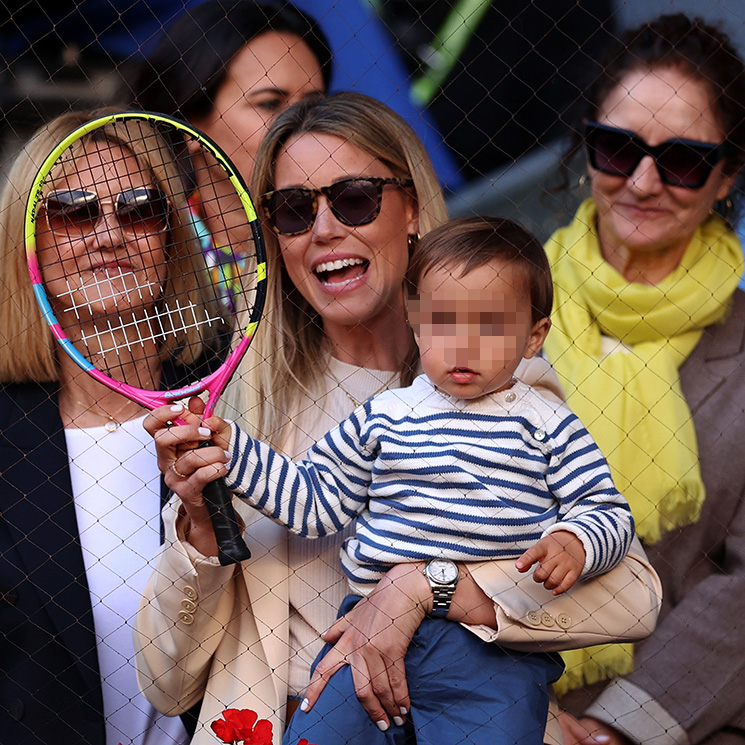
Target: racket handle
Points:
(231, 548)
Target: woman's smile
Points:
(336, 274)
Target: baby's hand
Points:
(560, 557)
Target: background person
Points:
(648, 340)
(333, 335)
(80, 491)
(229, 67)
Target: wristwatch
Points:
(442, 575)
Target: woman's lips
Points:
(115, 269)
(340, 272)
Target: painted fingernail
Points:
(204, 431)
(403, 710)
(602, 738)
(227, 454)
(399, 721)
(382, 726)
(305, 705)
(176, 408)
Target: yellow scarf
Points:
(616, 347)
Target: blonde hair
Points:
(29, 350)
(289, 354)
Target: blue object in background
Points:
(365, 58)
(741, 235)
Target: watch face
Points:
(442, 571)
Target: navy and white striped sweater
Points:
(427, 475)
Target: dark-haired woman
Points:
(229, 67)
(649, 341)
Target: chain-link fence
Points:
(464, 510)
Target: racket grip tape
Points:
(231, 547)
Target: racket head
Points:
(146, 256)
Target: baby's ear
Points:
(538, 335)
(411, 308)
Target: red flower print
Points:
(241, 725)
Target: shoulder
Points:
(549, 410)
(404, 400)
(19, 400)
(721, 350)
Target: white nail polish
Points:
(382, 726)
(176, 408)
(204, 431)
(399, 721)
(403, 710)
(305, 705)
(228, 454)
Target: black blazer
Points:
(50, 688)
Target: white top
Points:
(116, 488)
(426, 475)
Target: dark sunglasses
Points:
(618, 152)
(75, 213)
(353, 201)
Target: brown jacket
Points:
(689, 681)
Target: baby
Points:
(467, 464)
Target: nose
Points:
(646, 178)
(326, 226)
(463, 346)
(107, 232)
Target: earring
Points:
(582, 181)
(724, 208)
(412, 242)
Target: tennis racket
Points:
(147, 261)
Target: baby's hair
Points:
(471, 242)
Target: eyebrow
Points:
(269, 89)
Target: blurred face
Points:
(641, 214)
(271, 72)
(472, 331)
(101, 237)
(350, 275)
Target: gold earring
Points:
(413, 241)
(582, 181)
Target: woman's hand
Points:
(589, 731)
(187, 470)
(375, 635)
(373, 638)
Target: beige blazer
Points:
(222, 632)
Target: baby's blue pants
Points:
(463, 691)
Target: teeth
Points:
(334, 266)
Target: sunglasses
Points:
(353, 201)
(75, 213)
(618, 152)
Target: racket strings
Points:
(128, 260)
